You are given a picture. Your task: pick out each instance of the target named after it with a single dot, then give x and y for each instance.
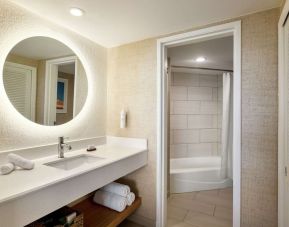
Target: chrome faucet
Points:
(61, 146)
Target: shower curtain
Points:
(226, 153)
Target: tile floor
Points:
(201, 209)
(198, 209)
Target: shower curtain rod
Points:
(202, 68)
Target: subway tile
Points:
(219, 134)
(186, 107)
(178, 122)
(220, 120)
(201, 149)
(208, 81)
(179, 93)
(219, 150)
(178, 150)
(200, 93)
(209, 107)
(215, 94)
(185, 79)
(186, 136)
(220, 107)
(202, 121)
(220, 93)
(171, 107)
(209, 135)
(171, 137)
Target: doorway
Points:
(164, 81)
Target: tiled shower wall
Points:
(195, 115)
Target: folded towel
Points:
(7, 168)
(20, 161)
(117, 188)
(130, 198)
(110, 200)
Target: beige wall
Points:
(22, 60)
(132, 85)
(17, 24)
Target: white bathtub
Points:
(196, 174)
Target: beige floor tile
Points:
(202, 220)
(193, 205)
(208, 193)
(177, 212)
(226, 192)
(223, 212)
(189, 195)
(171, 222)
(215, 199)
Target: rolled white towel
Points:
(7, 168)
(130, 198)
(117, 188)
(110, 200)
(20, 161)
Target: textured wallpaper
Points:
(15, 131)
(132, 85)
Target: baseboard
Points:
(147, 222)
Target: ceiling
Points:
(218, 54)
(41, 48)
(67, 68)
(112, 23)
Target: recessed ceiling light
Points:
(76, 11)
(200, 59)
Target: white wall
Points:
(18, 132)
(195, 115)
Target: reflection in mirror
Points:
(45, 81)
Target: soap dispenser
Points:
(123, 119)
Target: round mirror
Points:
(45, 81)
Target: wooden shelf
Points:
(99, 216)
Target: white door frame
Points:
(51, 74)
(282, 118)
(234, 29)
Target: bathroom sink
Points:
(73, 162)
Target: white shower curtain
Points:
(226, 154)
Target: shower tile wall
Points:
(195, 115)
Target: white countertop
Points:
(21, 182)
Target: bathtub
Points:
(196, 174)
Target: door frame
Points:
(51, 75)
(233, 28)
(282, 117)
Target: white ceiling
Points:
(67, 68)
(41, 48)
(218, 54)
(111, 23)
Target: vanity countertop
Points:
(21, 182)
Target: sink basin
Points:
(73, 162)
